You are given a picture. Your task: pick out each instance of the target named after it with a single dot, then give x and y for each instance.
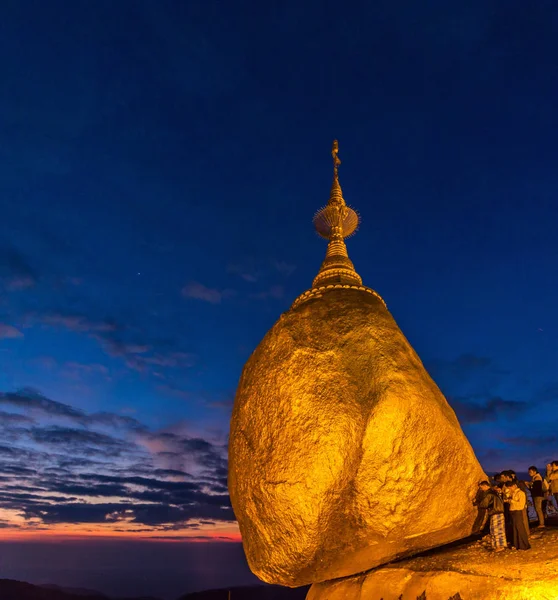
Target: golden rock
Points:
(467, 572)
(343, 452)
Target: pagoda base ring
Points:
(318, 292)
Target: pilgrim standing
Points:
(518, 502)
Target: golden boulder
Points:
(343, 452)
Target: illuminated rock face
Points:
(468, 572)
(343, 452)
(394, 584)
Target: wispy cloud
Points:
(253, 270)
(284, 268)
(76, 323)
(9, 332)
(144, 358)
(246, 271)
(174, 391)
(20, 282)
(15, 268)
(31, 400)
(462, 366)
(118, 341)
(89, 369)
(473, 411)
(275, 292)
(198, 291)
(547, 442)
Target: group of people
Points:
(502, 503)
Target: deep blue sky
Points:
(159, 168)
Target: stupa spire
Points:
(335, 222)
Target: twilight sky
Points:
(160, 165)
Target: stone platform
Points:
(459, 572)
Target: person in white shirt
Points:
(552, 478)
(517, 500)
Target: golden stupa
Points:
(343, 452)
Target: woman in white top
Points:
(518, 501)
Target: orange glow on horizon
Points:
(219, 532)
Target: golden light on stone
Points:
(343, 451)
(468, 570)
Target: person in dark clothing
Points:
(520, 484)
(505, 497)
(492, 503)
(517, 500)
(482, 516)
(537, 493)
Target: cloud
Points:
(518, 452)
(76, 323)
(199, 291)
(471, 361)
(119, 348)
(14, 266)
(75, 438)
(247, 271)
(225, 403)
(31, 400)
(548, 394)
(176, 392)
(138, 477)
(9, 332)
(11, 418)
(143, 358)
(284, 268)
(20, 282)
(461, 367)
(469, 411)
(46, 362)
(252, 271)
(78, 371)
(114, 421)
(154, 514)
(136, 353)
(540, 441)
(275, 292)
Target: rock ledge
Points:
(463, 572)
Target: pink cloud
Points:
(7, 332)
(22, 282)
(199, 291)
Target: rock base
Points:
(466, 572)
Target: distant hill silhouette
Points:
(256, 592)
(76, 591)
(18, 590)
